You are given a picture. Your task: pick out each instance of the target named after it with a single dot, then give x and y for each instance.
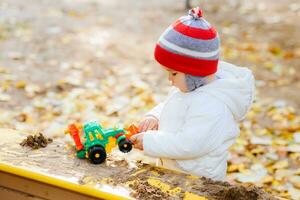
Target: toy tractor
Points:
(98, 141)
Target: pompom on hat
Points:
(190, 45)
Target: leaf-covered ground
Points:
(64, 61)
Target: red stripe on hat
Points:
(204, 34)
(187, 65)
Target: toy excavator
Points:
(98, 141)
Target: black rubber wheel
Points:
(97, 154)
(125, 145)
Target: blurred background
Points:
(78, 60)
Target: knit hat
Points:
(190, 45)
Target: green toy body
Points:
(98, 141)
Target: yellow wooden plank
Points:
(83, 189)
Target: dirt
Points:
(139, 181)
(142, 181)
(143, 190)
(225, 191)
(58, 159)
(113, 162)
(36, 141)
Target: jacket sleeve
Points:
(156, 111)
(201, 133)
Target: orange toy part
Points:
(132, 129)
(74, 132)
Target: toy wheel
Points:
(97, 154)
(125, 145)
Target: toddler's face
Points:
(177, 79)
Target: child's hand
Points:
(137, 141)
(148, 123)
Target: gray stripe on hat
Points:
(188, 51)
(180, 53)
(199, 23)
(190, 43)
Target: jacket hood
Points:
(235, 87)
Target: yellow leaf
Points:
(20, 84)
(191, 196)
(275, 50)
(268, 65)
(281, 164)
(163, 186)
(3, 70)
(235, 168)
(295, 180)
(267, 179)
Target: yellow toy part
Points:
(111, 144)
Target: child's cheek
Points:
(182, 84)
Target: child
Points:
(194, 127)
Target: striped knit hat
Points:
(190, 45)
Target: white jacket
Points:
(197, 128)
